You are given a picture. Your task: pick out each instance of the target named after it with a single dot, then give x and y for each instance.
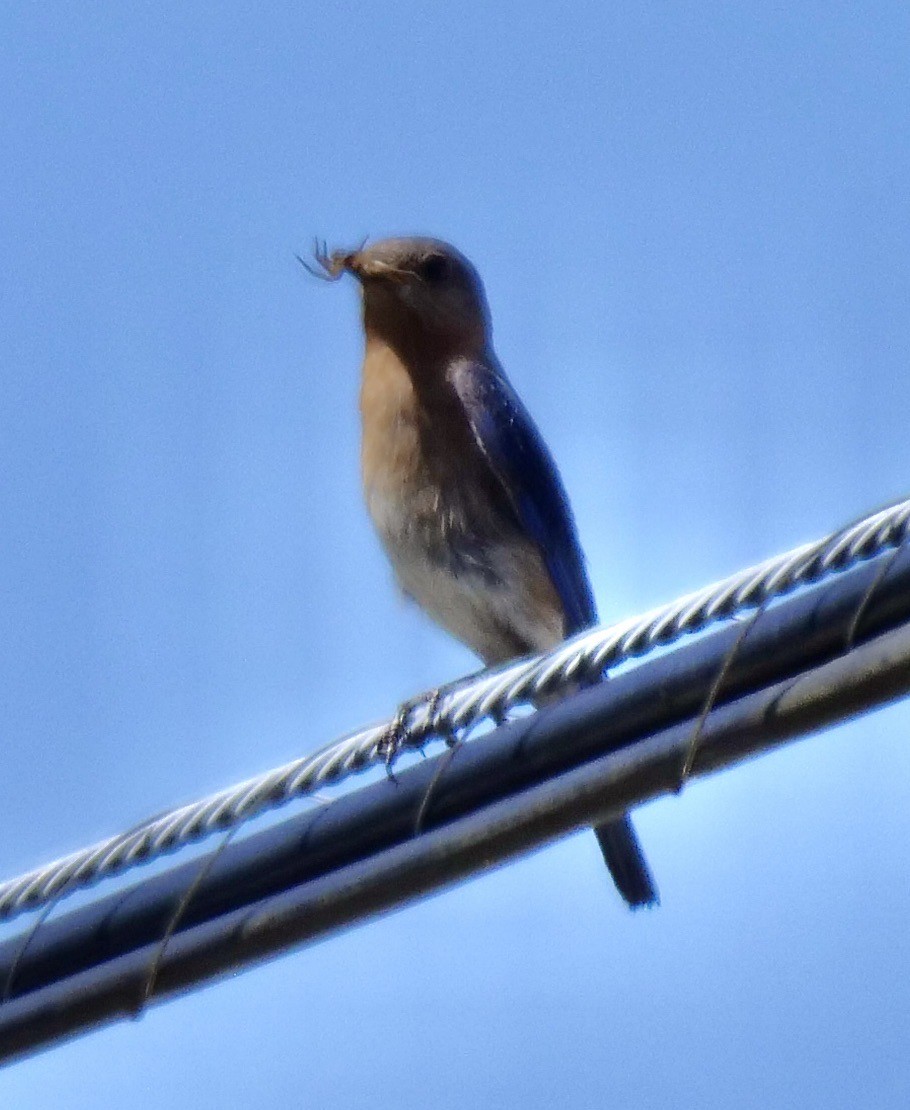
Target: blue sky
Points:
(693, 225)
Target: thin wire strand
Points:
(866, 600)
(430, 791)
(149, 980)
(465, 705)
(714, 694)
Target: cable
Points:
(462, 706)
(875, 671)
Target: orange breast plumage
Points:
(454, 546)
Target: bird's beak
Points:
(364, 268)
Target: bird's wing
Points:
(523, 466)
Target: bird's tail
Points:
(626, 861)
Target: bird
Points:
(460, 485)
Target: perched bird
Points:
(461, 487)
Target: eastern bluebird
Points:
(461, 487)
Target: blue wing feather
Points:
(524, 467)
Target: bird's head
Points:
(415, 290)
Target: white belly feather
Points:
(486, 602)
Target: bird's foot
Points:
(401, 734)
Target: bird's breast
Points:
(433, 501)
(416, 461)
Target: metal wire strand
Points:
(714, 693)
(463, 706)
(149, 980)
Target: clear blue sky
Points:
(693, 223)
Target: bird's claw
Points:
(395, 737)
(400, 734)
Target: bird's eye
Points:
(435, 269)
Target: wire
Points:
(459, 708)
(92, 968)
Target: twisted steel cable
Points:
(460, 707)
